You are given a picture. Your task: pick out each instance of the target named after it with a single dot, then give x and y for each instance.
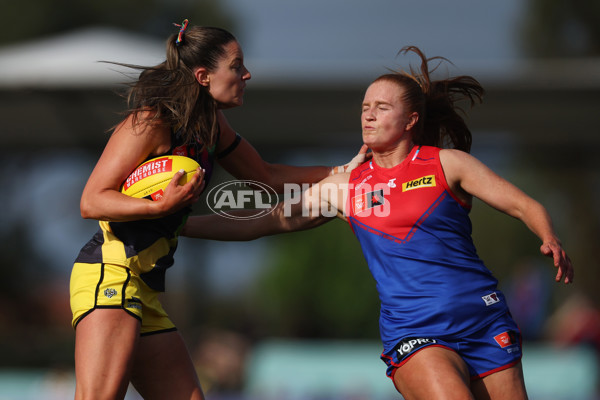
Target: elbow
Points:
(86, 214)
(86, 210)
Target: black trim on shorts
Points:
(82, 317)
(231, 147)
(174, 329)
(124, 289)
(105, 308)
(98, 287)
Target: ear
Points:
(413, 118)
(202, 76)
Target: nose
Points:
(368, 115)
(246, 75)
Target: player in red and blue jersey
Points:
(435, 291)
(445, 327)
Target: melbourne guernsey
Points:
(416, 237)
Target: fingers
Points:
(177, 177)
(198, 183)
(181, 192)
(561, 260)
(363, 151)
(566, 269)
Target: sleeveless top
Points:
(147, 246)
(416, 238)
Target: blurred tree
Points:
(562, 28)
(318, 285)
(23, 21)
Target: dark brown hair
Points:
(437, 103)
(170, 91)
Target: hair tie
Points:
(182, 28)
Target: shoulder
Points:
(454, 157)
(459, 167)
(142, 127)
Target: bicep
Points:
(125, 150)
(465, 173)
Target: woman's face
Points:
(384, 117)
(227, 81)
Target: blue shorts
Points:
(495, 347)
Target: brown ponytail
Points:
(437, 103)
(170, 91)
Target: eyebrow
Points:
(377, 103)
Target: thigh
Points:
(163, 368)
(105, 344)
(507, 384)
(433, 373)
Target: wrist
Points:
(337, 170)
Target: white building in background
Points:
(74, 59)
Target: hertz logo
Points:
(425, 181)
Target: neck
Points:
(392, 157)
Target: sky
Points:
(285, 39)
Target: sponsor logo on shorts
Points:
(490, 299)
(508, 340)
(134, 302)
(424, 181)
(409, 345)
(110, 292)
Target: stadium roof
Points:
(73, 59)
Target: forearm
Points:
(298, 175)
(536, 218)
(114, 206)
(281, 174)
(283, 218)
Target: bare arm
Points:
(467, 176)
(309, 209)
(246, 163)
(128, 147)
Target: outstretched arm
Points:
(311, 208)
(244, 162)
(468, 176)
